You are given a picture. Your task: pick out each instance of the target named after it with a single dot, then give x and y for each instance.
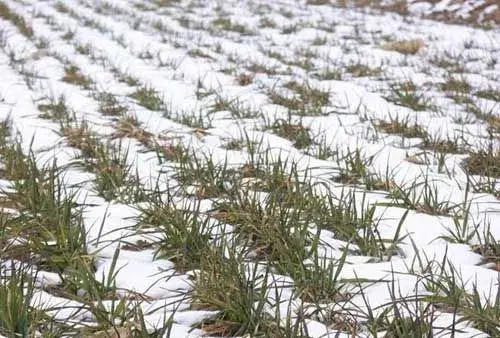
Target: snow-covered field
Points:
(246, 168)
(477, 12)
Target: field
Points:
(189, 168)
(483, 13)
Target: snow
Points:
(118, 46)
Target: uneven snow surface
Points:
(227, 73)
(478, 12)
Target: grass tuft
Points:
(407, 47)
(55, 109)
(484, 163)
(228, 25)
(74, 76)
(109, 105)
(406, 94)
(148, 97)
(361, 70)
(402, 128)
(17, 20)
(296, 133)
